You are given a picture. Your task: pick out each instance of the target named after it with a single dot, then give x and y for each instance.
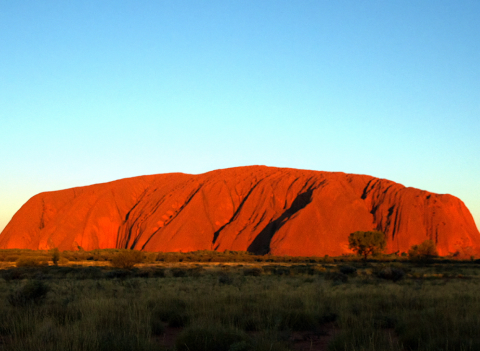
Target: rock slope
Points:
(260, 209)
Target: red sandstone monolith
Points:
(258, 209)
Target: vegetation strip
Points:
(351, 305)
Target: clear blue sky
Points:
(93, 91)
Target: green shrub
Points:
(127, 259)
(425, 251)
(367, 243)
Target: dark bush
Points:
(349, 270)
(225, 279)
(270, 269)
(117, 274)
(390, 273)
(64, 312)
(55, 256)
(282, 271)
(179, 272)
(328, 317)
(253, 271)
(212, 338)
(173, 312)
(13, 274)
(149, 273)
(303, 269)
(142, 273)
(298, 321)
(32, 292)
(87, 273)
(426, 251)
(195, 271)
(384, 322)
(178, 319)
(158, 273)
(115, 341)
(59, 271)
(336, 277)
(250, 322)
(157, 327)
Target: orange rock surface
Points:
(258, 209)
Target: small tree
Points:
(424, 251)
(127, 259)
(55, 256)
(367, 243)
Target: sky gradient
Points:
(94, 91)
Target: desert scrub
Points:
(31, 262)
(127, 259)
(367, 313)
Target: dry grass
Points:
(242, 306)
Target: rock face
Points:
(259, 209)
